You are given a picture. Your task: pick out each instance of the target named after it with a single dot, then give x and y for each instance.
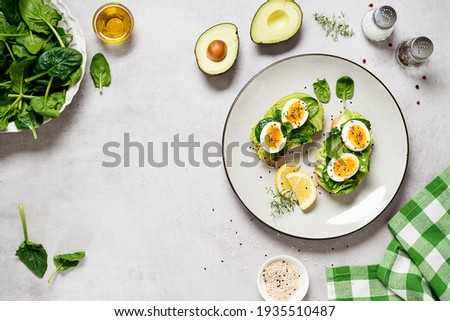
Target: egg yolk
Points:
(295, 113)
(357, 136)
(274, 137)
(345, 167)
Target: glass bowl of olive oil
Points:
(113, 23)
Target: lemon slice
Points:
(281, 182)
(304, 188)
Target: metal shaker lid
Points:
(421, 47)
(385, 17)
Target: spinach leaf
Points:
(322, 90)
(8, 108)
(51, 107)
(33, 42)
(20, 51)
(29, 120)
(66, 37)
(286, 128)
(40, 17)
(313, 106)
(3, 60)
(259, 127)
(100, 72)
(364, 160)
(345, 187)
(11, 11)
(3, 123)
(363, 120)
(277, 115)
(18, 71)
(7, 30)
(333, 144)
(303, 134)
(74, 77)
(64, 262)
(344, 89)
(59, 62)
(31, 254)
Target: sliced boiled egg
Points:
(343, 168)
(296, 112)
(355, 135)
(272, 138)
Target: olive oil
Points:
(113, 23)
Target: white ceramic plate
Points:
(303, 281)
(71, 26)
(331, 216)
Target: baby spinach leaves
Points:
(29, 120)
(40, 17)
(31, 254)
(59, 62)
(18, 70)
(50, 108)
(100, 71)
(64, 262)
(11, 11)
(36, 64)
(322, 90)
(333, 144)
(344, 89)
(34, 256)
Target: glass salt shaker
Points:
(378, 24)
(414, 52)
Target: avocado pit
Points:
(217, 50)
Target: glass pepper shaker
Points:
(378, 24)
(414, 52)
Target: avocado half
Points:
(217, 48)
(276, 21)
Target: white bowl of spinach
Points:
(42, 61)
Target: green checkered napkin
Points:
(357, 283)
(416, 265)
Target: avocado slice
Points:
(276, 21)
(217, 48)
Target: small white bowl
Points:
(304, 278)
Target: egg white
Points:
(285, 112)
(337, 178)
(264, 133)
(346, 140)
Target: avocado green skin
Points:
(253, 20)
(237, 52)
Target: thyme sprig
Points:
(283, 202)
(335, 25)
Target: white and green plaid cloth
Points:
(416, 265)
